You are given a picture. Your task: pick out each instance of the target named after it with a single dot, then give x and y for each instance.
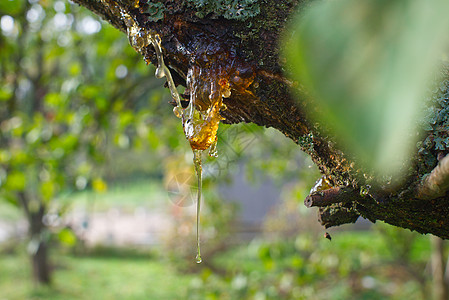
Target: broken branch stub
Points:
(331, 196)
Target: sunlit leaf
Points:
(5, 94)
(69, 142)
(153, 139)
(10, 6)
(5, 156)
(15, 181)
(75, 69)
(99, 185)
(367, 66)
(19, 157)
(47, 190)
(67, 237)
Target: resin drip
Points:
(201, 128)
(322, 184)
(211, 76)
(200, 121)
(139, 39)
(199, 171)
(203, 113)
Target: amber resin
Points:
(214, 73)
(323, 183)
(199, 171)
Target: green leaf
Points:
(5, 156)
(15, 181)
(5, 94)
(10, 6)
(366, 66)
(75, 69)
(99, 185)
(47, 190)
(67, 237)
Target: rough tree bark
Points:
(245, 37)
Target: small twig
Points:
(331, 202)
(437, 182)
(332, 196)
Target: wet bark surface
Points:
(195, 35)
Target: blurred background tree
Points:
(81, 111)
(67, 95)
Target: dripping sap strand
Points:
(201, 118)
(179, 112)
(162, 71)
(198, 170)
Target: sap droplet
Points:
(227, 93)
(177, 111)
(323, 183)
(162, 69)
(159, 72)
(213, 149)
(204, 108)
(198, 259)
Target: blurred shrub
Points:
(354, 265)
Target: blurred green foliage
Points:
(383, 264)
(71, 91)
(103, 274)
(386, 263)
(367, 66)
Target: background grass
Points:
(94, 278)
(300, 266)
